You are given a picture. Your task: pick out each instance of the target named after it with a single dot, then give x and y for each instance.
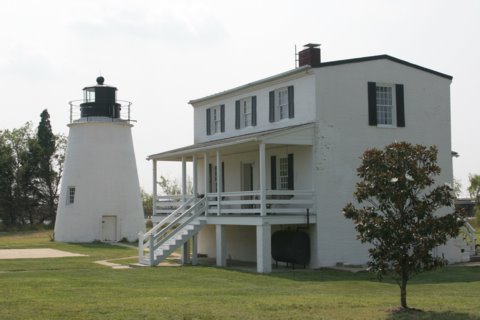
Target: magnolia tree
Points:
(398, 217)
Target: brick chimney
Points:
(310, 55)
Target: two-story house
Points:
(281, 153)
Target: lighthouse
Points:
(100, 193)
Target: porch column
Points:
(185, 253)
(205, 180)
(263, 180)
(194, 250)
(264, 249)
(195, 180)
(219, 181)
(184, 178)
(155, 183)
(220, 245)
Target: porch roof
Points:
(293, 135)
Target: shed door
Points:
(109, 228)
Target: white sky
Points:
(161, 54)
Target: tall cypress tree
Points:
(47, 174)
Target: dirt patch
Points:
(35, 254)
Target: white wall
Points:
(304, 101)
(343, 134)
(100, 164)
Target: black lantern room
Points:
(100, 101)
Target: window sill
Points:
(386, 126)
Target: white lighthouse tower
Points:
(100, 194)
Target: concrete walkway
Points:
(35, 254)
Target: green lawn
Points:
(77, 288)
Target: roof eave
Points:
(252, 84)
(380, 57)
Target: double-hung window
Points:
(246, 112)
(281, 104)
(216, 119)
(386, 105)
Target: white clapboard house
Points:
(274, 161)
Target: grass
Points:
(77, 288)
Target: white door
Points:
(109, 228)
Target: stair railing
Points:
(169, 227)
(144, 238)
(470, 237)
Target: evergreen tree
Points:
(50, 165)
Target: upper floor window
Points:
(246, 112)
(216, 119)
(386, 105)
(281, 104)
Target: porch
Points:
(261, 180)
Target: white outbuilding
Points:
(100, 193)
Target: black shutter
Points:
(208, 122)
(254, 110)
(290, 171)
(400, 105)
(291, 107)
(223, 176)
(271, 113)
(372, 104)
(209, 177)
(222, 118)
(273, 172)
(237, 114)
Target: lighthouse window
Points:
(90, 95)
(71, 195)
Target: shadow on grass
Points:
(421, 315)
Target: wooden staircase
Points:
(171, 233)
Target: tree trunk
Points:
(403, 292)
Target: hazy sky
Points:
(161, 54)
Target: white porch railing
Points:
(165, 205)
(244, 203)
(277, 202)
